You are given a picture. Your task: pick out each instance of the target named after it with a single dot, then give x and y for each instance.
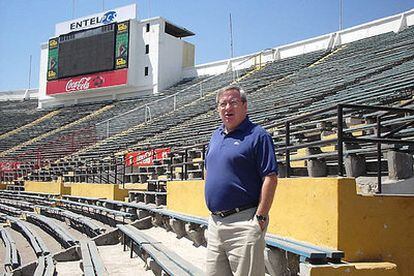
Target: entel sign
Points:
(96, 20)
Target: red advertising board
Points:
(146, 158)
(9, 166)
(87, 82)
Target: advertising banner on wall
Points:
(52, 62)
(87, 82)
(96, 20)
(9, 166)
(121, 45)
(146, 158)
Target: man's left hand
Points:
(262, 224)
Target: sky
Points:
(257, 25)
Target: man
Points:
(241, 179)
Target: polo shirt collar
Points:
(244, 126)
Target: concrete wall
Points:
(328, 212)
(354, 269)
(170, 60)
(187, 197)
(188, 54)
(137, 57)
(46, 187)
(108, 191)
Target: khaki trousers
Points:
(235, 245)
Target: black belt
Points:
(227, 213)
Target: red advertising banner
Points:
(9, 166)
(87, 82)
(146, 158)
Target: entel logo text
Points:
(108, 17)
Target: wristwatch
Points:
(261, 218)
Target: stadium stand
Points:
(91, 261)
(347, 111)
(11, 257)
(15, 114)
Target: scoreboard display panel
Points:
(89, 51)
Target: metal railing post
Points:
(107, 129)
(171, 165)
(123, 172)
(116, 171)
(340, 140)
(287, 151)
(175, 102)
(185, 164)
(108, 173)
(93, 175)
(379, 153)
(203, 156)
(100, 173)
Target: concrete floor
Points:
(116, 261)
(183, 247)
(26, 252)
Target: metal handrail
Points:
(155, 101)
(341, 138)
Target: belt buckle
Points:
(221, 214)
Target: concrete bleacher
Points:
(11, 258)
(15, 114)
(314, 221)
(77, 127)
(380, 66)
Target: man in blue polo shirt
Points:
(241, 179)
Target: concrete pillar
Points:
(400, 165)
(144, 223)
(196, 233)
(279, 262)
(282, 170)
(142, 213)
(149, 198)
(160, 199)
(152, 264)
(178, 227)
(166, 223)
(355, 165)
(157, 220)
(317, 168)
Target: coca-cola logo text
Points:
(79, 85)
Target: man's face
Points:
(231, 109)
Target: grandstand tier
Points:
(79, 184)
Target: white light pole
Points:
(341, 14)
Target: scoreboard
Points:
(100, 49)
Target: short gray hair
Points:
(243, 95)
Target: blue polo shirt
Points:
(236, 164)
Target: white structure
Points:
(394, 23)
(156, 58)
(16, 95)
(171, 59)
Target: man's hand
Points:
(262, 224)
(266, 198)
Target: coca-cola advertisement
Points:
(87, 82)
